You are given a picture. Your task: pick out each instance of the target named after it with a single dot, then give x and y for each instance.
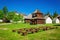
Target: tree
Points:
(55, 14)
(16, 18)
(21, 17)
(1, 14)
(5, 10)
(48, 13)
(10, 15)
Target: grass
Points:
(53, 34)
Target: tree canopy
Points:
(1, 14)
(55, 14)
(10, 15)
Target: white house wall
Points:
(48, 20)
(57, 20)
(1, 20)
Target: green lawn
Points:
(53, 34)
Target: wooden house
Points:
(35, 18)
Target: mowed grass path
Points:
(53, 34)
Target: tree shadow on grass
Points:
(57, 25)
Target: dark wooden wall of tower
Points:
(40, 21)
(38, 15)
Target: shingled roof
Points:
(36, 11)
(28, 17)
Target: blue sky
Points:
(29, 6)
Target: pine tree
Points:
(55, 14)
(48, 14)
(5, 11)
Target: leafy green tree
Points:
(10, 15)
(16, 18)
(21, 17)
(1, 14)
(55, 14)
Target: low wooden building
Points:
(36, 18)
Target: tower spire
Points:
(36, 11)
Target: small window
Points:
(34, 15)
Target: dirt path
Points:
(3, 28)
(5, 23)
